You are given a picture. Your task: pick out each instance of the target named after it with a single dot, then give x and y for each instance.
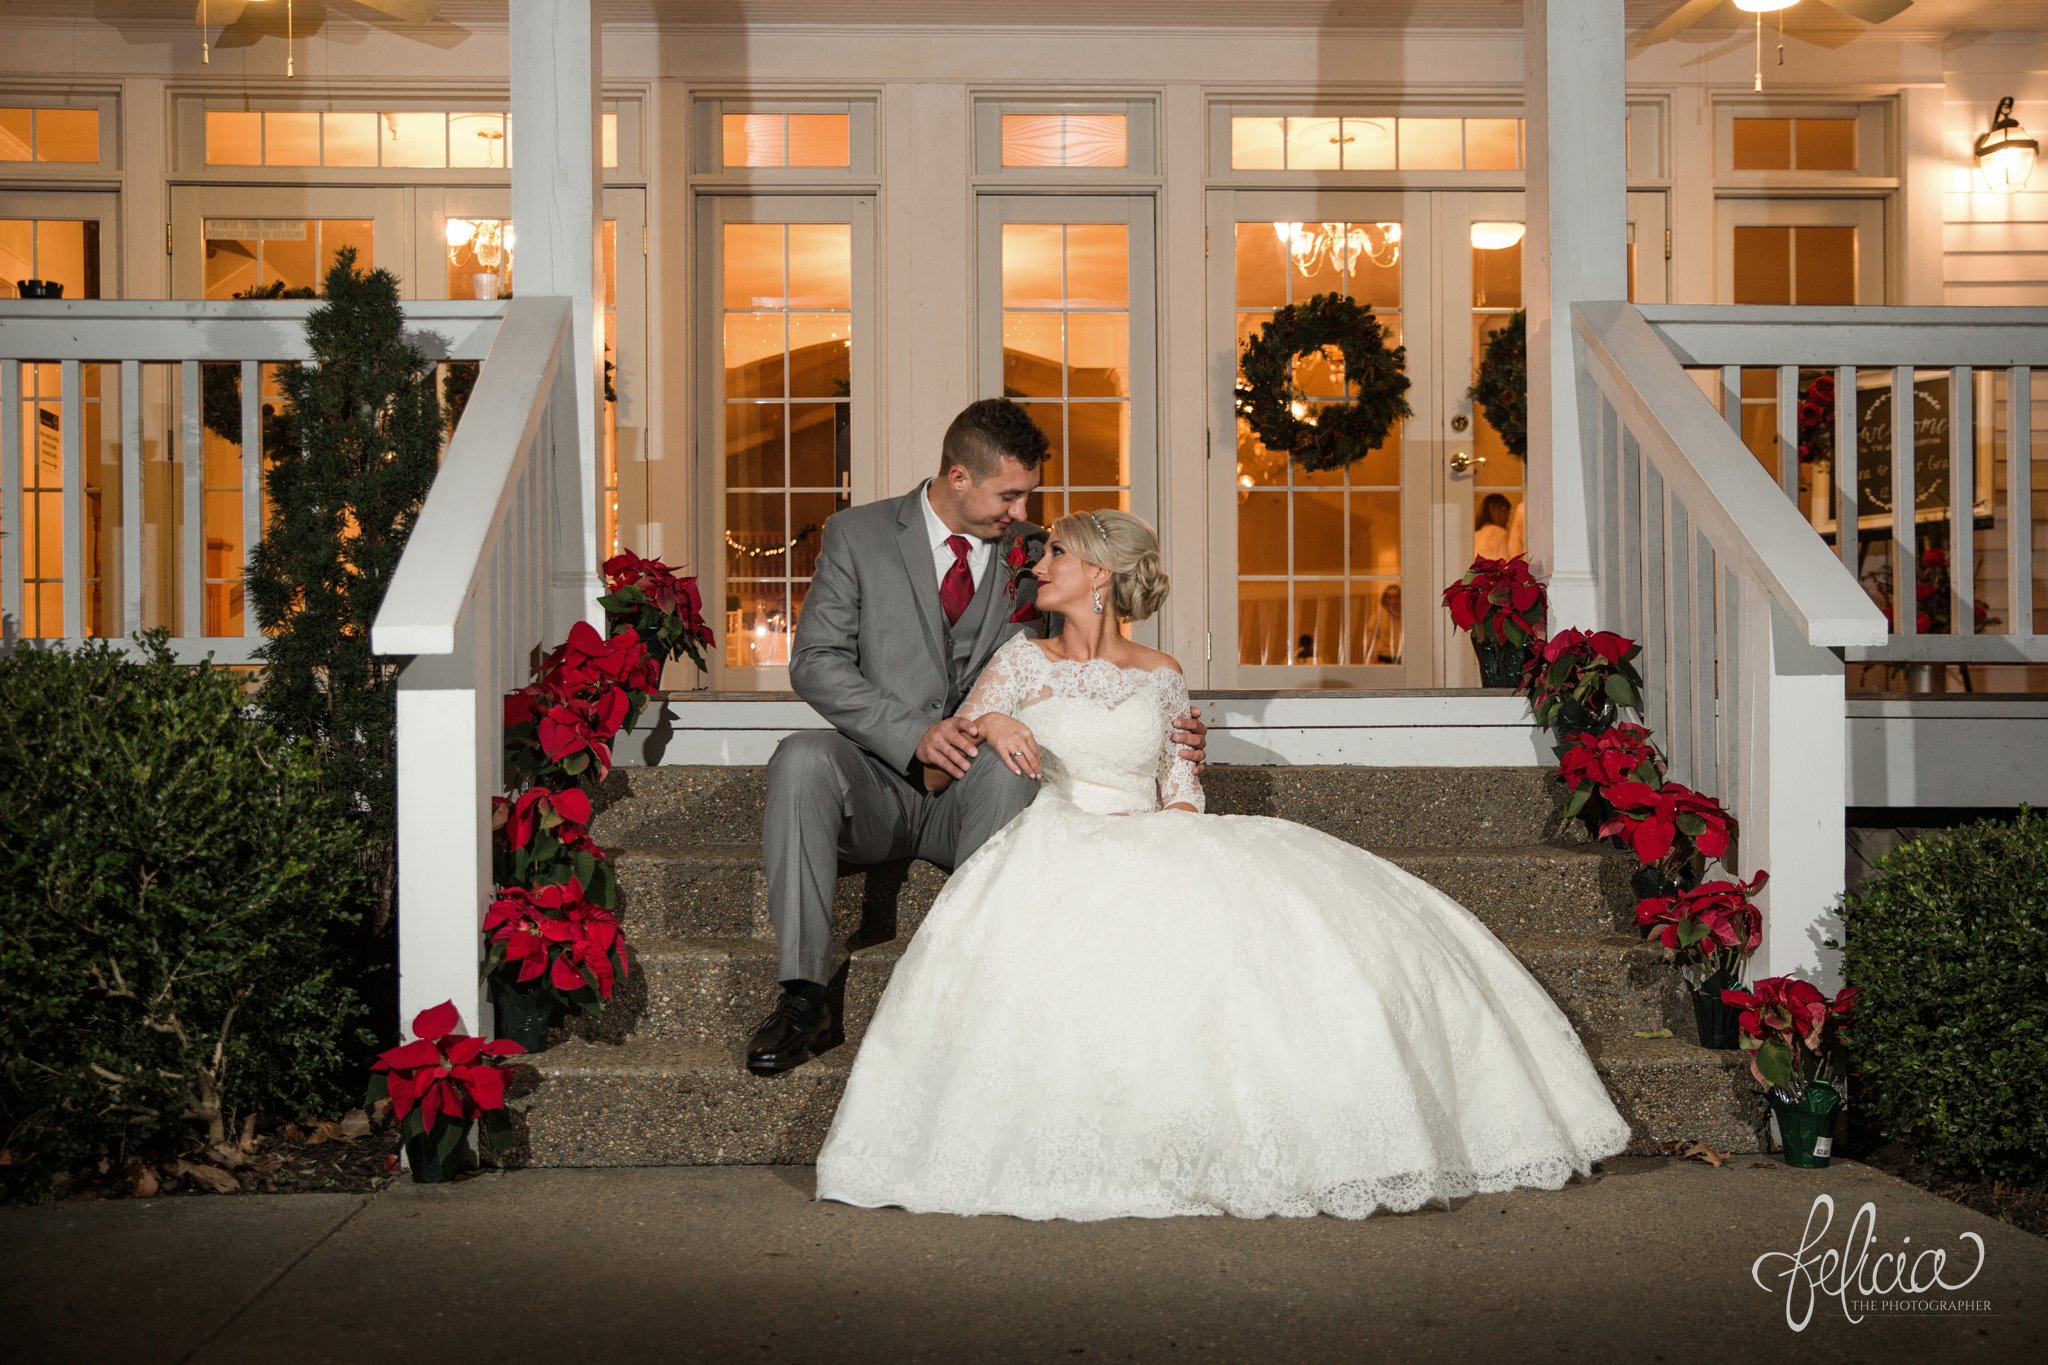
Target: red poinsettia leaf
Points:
(462, 1051)
(437, 1021)
(486, 1085)
(409, 1056)
(430, 1102)
(573, 805)
(503, 1047)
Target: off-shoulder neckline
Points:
(1033, 646)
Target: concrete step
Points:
(719, 890)
(1372, 807)
(715, 990)
(694, 1104)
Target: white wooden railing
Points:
(1741, 609)
(1978, 352)
(474, 600)
(133, 372)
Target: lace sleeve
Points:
(1001, 684)
(1176, 776)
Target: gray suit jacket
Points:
(872, 653)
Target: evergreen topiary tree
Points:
(344, 494)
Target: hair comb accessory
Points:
(1098, 523)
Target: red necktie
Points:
(956, 589)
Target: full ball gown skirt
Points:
(1158, 1013)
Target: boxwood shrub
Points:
(181, 900)
(1948, 941)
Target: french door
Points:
(786, 409)
(1315, 576)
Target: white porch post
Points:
(1575, 251)
(558, 210)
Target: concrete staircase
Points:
(658, 1080)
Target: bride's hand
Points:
(1014, 743)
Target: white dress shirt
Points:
(978, 550)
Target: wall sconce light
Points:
(2005, 155)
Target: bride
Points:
(1119, 1007)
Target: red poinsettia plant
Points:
(1578, 680)
(1795, 1036)
(1673, 830)
(544, 837)
(1932, 595)
(660, 605)
(557, 937)
(1709, 930)
(443, 1079)
(1500, 601)
(1588, 764)
(590, 688)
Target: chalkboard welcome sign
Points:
(1932, 406)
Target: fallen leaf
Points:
(1686, 1150)
(1653, 1033)
(268, 1163)
(391, 1162)
(381, 1109)
(294, 1133)
(227, 1154)
(6, 1156)
(356, 1123)
(326, 1130)
(210, 1178)
(142, 1181)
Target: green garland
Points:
(1502, 388)
(1335, 434)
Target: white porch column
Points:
(558, 211)
(1576, 250)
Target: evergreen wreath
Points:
(1502, 387)
(1336, 434)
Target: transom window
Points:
(415, 139)
(1069, 141)
(50, 135)
(753, 141)
(1325, 142)
(1066, 140)
(782, 140)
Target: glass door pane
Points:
(789, 293)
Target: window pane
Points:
(753, 355)
(1319, 614)
(755, 140)
(68, 135)
(608, 140)
(1497, 277)
(820, 445)
(1098, 265)
(1431, 144)
(1031, 265)
(234, 138)
(348, 139)
(1101, 436)
(1261, 265)
(1824, 265)
(820, 265)
(820, 355)
(820, 140)
(1033, 139)
(1826, 144)
(1368, 144)
(1097, 140)
(17, 135)
(419, 139)
(1033, 354)
(1098, 355)
(1492, 144)
(1262, 533)
(753, 265)
(1763, 144)
(753, 445)
(291, 139)
(1258, 144)
(1312, 144)
(1046, 417)
(1319, 532)
(476, 140)
(1763, 265)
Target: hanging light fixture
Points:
(1496, 236)
(1760, 8)
(2005, 155)
(1342, 244)
(490, 240)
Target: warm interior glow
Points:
(1496, 236)
(1764, 6)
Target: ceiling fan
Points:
(226, 12)
(1804, 23)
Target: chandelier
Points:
(1342, 244)
(490, 240)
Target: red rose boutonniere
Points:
(1020, 559)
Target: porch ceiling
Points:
(1349, 16)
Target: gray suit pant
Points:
(831, 802)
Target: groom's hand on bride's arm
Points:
(1193, 738)
(948, 745)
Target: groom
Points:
(909, 599)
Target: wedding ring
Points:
(1016, 753)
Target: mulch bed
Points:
(354, 1154)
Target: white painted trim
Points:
(165, 330)
(1966, 751)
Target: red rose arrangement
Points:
(443, 1079)
(1018, 562)
(1817, 420)
(1933, 593)
(1499, 599)
(1793, 1033)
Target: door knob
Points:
(1460, 461)
(1460, 421)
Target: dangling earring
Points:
(1098, 601)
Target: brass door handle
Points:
(1460, 461)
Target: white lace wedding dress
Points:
(1171, 1013)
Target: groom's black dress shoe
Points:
(800, 1023)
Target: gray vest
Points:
(960, 637)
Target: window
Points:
(1324, 142)
(1778, 144)
(797, 139)
(414, 140)
(1035, 139)
(50, 135)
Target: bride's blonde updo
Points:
(1128, 548)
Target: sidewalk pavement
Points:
(1649, 1261)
